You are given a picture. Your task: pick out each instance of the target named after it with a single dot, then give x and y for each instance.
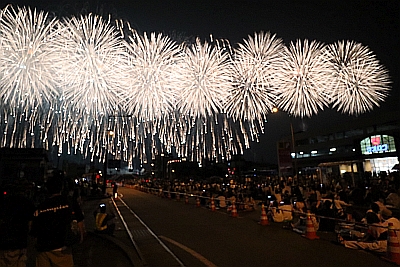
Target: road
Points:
(200, 237)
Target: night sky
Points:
(372, 23)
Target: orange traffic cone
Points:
(234, 212)
(310, 230)
(178, 196)
(264, 218)
(393, 246)
(212, 204)
(186, 199)
(197, 201)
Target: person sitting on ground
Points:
(274, 213)
(393, 198)
(339, 207)
(249, 204)
(104, 221)
(299, 208)
(301, 225)
(383, 210)
(222, 201)
(287, 210)
(376, 237)
(374, 209)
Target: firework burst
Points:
(66, 86)
(203, 93)
(208, 80)
(27, 73)
(360, 81)
(306, 80)
(256, 64)
(93, 76)
(155, 77)
(92, 67)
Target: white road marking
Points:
(191, 251)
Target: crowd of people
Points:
(288, 200)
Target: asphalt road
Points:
(201, 237)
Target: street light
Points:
(275, 110)
(111, 134)
(104, 189)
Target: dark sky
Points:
(373, 23)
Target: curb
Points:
(124, 248)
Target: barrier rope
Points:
(227, 200)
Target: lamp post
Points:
(162, 166)
(104, 188)
(111, 134)
(293, 146)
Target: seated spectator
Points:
(299, 209)
(376, 238)
(375, 209)
(383, 210)
(287, 210)
(275, 214)
(104, 223)
(249, 204)
(301, 225)
(327, 222)
(339, 207)
(393, 199)
(222, 201)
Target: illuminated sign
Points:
(377, 144)
(377, 148)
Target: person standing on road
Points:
(16, 214)
(52, 227)
(115, 190)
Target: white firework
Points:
(207, 81)
(155, 77)
(306, 80)
(92, 66)
(207, 73)
(27, 73)
(67, 86)
(256, 64)
(92, 69)
(360, 81)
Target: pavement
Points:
(98, 250)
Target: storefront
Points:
(379, 152)
(355, 149)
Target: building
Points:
(365, 145)
(23, 163)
